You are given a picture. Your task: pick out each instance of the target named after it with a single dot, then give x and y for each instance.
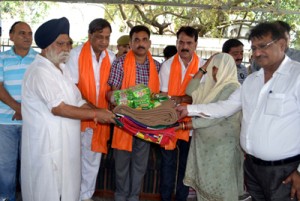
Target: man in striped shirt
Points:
(13, 64)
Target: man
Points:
(122, 45)
(52, 108)
(90, 66)
(290, 52)
(175, 75)
(130, 153)
(235, 48)
(13, 64)
(271, 115)
(169, 51)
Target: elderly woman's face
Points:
(214, 73)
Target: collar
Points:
(102, 55)
(239, 66)
(283, 68)
(181, 61)
(12, 51)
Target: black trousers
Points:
(264, 183)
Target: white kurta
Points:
(50, 158)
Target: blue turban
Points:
(47, 33)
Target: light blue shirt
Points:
(12, 69)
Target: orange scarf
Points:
(177, 88)
(122, 140)
(87, 87)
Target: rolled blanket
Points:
(158, 127)
(165, 114)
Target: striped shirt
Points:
(12, 69)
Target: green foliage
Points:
(28, 11)
(212, 18)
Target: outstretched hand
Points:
(181, 111)
(294, 179)
(104, 116)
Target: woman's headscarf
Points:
(227, 73)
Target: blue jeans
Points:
(10, 137)
(168, 172)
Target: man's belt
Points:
(258, 161)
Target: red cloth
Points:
(161, 136)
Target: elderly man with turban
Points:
(52, 108)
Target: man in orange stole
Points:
(175, 75)
(131, 153)
(90, 67)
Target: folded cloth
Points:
(161, 136)
(165, 114)
(158, 127)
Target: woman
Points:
(214, 167)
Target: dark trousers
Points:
(264, 183)
(168, 172)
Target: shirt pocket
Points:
(275, 104)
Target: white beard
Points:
(55, 58)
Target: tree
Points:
(216, 18)
(30, 11)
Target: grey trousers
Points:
(264, 183)
(130, 168)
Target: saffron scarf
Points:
(87, 87)
(177, 87)
(122, 139)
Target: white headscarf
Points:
(227, 73)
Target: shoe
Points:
(245, 197)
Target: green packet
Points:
(140, 91)
(122, 96)
(141, 102)
(125, 102)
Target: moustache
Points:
(185, 50)
(141, 47)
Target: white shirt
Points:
(271, 112)
(74, 67)
(165, 69)
(164, 74)
(50, 144)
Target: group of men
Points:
(65, 91)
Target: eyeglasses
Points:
(263, 47)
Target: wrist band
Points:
(202, 71)
(183, 125)
(95, 117)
